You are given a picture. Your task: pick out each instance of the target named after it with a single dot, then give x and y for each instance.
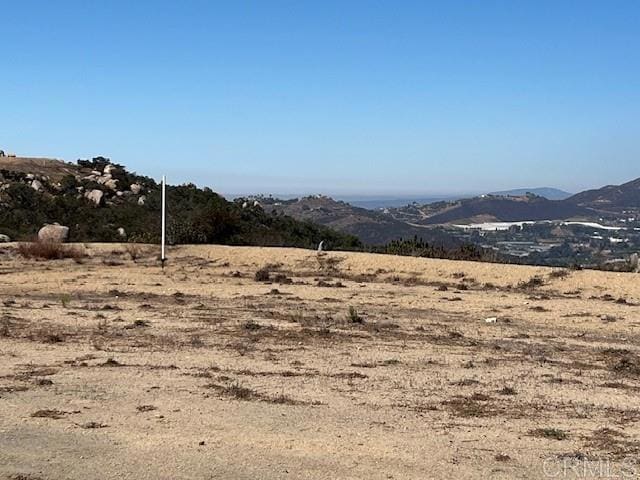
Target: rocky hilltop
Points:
(97, 180)
(102, 201)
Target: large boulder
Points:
(36, 185)
(4, 238)
(94, 195)
(53, 233)
(103, 179)
(135, 188)
(111, 184)
(142, 199)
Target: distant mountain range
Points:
(547, 192)
(381, 202)
(377, 227)
(608, 202)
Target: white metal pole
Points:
(164, 214)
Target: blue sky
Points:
(331, 96)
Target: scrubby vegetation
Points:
(194, 215)
(417, 247)
(50, 251)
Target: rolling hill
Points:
(610, 197)
(371, 227)
(491, 208)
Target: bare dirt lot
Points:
(258, 363)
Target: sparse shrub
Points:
(553, 433)
(562, 273)
(235, 390)
(112, 262)
(262, 275)
(534, 282)
(146, 408)
(507, 391)
(48, 413)
(49, 251)
(282, 279)
(134, 250)
(5, 327)
(252, 325)
(353, 316)
(46, 337)
(65, 299)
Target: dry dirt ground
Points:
(336, 367)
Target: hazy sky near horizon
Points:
(332, 96)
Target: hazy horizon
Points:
(357, 98)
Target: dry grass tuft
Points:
(239, 392)
(534, 282)
(134, 250)
(551, 433)
(46, 413)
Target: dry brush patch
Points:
(50, 251)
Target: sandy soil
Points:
(112, 368)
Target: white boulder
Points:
(135, 188)
(4, 238)
(36, 185)
(53, 233)
(141, 200)
(94, 195)
(103, 179)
